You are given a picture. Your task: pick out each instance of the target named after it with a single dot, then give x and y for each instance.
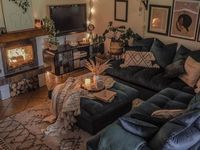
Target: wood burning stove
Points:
(19, 56)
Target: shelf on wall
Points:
(21, 35)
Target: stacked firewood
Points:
(23, 86)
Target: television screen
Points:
(69, 18)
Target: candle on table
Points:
(84, 40)
(87, 82)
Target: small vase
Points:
(95, 79)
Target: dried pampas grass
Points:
(97, 68)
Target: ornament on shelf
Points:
(38, 23)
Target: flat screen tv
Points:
(69, 18)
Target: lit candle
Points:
(84, 40)
(87, 82)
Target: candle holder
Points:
(91, 86)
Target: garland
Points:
(23, 4)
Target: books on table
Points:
(105, 95)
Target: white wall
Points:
(15, 19)
(1, 17)
(137, 20)
(104, 12)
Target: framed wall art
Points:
(159, 17)
(121, 10)
(185, 18)
(198, 38)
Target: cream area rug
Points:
(25, 131)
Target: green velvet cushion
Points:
(116, 138)
(195, 55)
(164, 54)
(182, 53)
(175, 69)
(143, 44)
(138, 127)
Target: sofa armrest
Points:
(114, 137)
(93, 143)
(182, 132)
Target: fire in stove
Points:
(20, 56)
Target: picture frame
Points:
(185, 18)
(199, 34)
(121, 10)
(159, 17)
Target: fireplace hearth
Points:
(19, 56)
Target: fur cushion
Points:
(142, 59)
(192, 68)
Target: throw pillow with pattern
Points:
(141, 59)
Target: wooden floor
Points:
(20, 103)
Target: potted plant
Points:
(49, 26)
(116, 36)
(129, 36)
(97, 69)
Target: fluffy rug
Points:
(24, 131)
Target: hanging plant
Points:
(23, 4)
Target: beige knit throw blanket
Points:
(66, 103)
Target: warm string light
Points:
(91, 11)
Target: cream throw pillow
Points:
(142, 59)
(192, 68)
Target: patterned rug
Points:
(24, 131)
